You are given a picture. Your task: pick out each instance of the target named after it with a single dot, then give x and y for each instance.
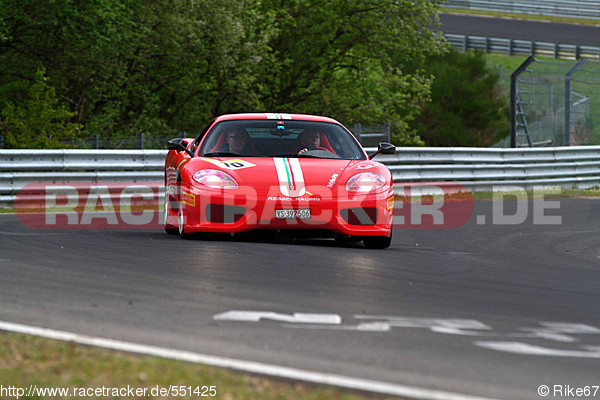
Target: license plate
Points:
(302, 213)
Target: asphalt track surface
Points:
(509, 28)
(445, 295)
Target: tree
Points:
(40, 121)
(160, 67)
(348, 59)
(467, 106)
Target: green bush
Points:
(39, 121)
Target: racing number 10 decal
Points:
(236, 163)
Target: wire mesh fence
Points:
(558, 103)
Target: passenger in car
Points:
(237, 141)
(311, 139)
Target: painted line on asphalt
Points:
(340, 381)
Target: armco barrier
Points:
(562, 8)
(19, 168)
(473, 168)
(480, 169)
(523, 47)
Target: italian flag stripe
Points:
(290, 174)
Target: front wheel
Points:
(170, 229)
(377, 242)
(181, 219)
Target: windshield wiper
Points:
(284, 155)
(220, 154)
(324, 157)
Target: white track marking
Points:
(244, 366)
(300, 318)
(529, 349)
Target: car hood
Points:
(287, 177)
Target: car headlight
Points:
(365, 182)
(215, 179)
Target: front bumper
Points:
(243, 209)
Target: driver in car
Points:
(238, 142)
(309, 139)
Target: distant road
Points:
(540, 31)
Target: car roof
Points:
(279, 116)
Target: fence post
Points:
(568, 78)
(386, 126)
(139, 141)
(95, 142)
(357, 129)
(1, 142)
(513, 100)
(532, 45)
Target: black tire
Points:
(182, 232)
(180, 219)
(377, 242)
(167, 208)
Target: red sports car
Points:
(302, 173)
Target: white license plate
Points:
(302, 213)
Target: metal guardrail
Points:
(19, 168)
(523, 47)
(560, 8)
(473, 168)
(370, 135)
(481, 169)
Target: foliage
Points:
(126, 66)
(347, 59)
(467, 106)
(39, 122)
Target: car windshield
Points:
(280, 138)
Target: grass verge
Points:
(29, 360)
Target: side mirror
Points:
(178, 145)
(384, 148)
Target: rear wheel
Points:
(377, 242)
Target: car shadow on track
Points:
(324, 239)
(310, 238)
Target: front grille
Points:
(359, 216)
(220, 213)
